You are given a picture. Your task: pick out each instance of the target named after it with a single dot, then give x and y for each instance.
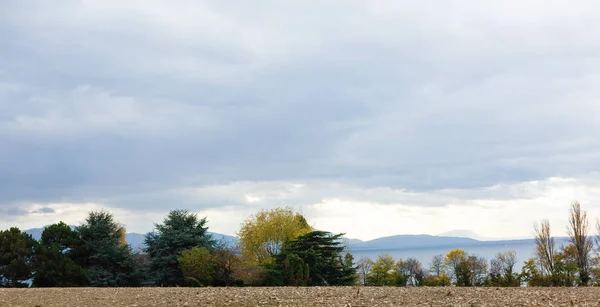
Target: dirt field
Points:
(327, 296)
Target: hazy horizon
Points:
(370, 118)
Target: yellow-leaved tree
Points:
(265, 233)
(455, 260)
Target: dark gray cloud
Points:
(126, 103)
(44, 210)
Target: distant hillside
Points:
(135, 240)
(412, 241)
(226, 239)
(462, 233)
(352, 242)
(36, 233)
(397, 242)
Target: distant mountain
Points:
(462, 233)
(351, 242)
(397, 242)
(226, 239)
(36, 233)
(412, 241)
(135, 240)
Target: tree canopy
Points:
(265, 234)
(180, 231)
(316, 255)
(56, 258)
(105, 256)
(16, 257)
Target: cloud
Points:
(501, 211)
(44, 210)
(146, 105)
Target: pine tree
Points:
(55, 258)
(180, 231)
(108, 262)
(320, 251)
(16, 257)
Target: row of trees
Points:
(284, 250)
(455, 268)
(574, 264)
(96, 254)
(276, 247)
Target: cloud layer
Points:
(396, 110)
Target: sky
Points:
(371, 118)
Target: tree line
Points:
(574, 264)
(456, 268)
(276, 247)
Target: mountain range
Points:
(461, 238)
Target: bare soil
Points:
(316, 296)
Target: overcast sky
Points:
(372, 118)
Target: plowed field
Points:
(317, 296)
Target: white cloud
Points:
(501, 211)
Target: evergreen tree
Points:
(296, 272)
(320, 251)
(180, 231)
(16, 257)
(55, 258)
(104, 254)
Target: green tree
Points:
(502, 270)
(532, 276)
(265, 234)
(382, 271)
(467, 270)
(180, 231)
(566, 267)
(321, 251)
(349, 268)
(196, 266)
(455, 261)
(399, 274)
(296, 272)
(16, 257)
(56, 259)
(141, 264)
(104, 254)
(437, 281)
(437, 269)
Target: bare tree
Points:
(509, 260)
(502, 267)
(496, 271)
(478, 270)
(545, 248)
(437, 266)
(364, 268)
(413, 270)
(597, 238)
(578, 229)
